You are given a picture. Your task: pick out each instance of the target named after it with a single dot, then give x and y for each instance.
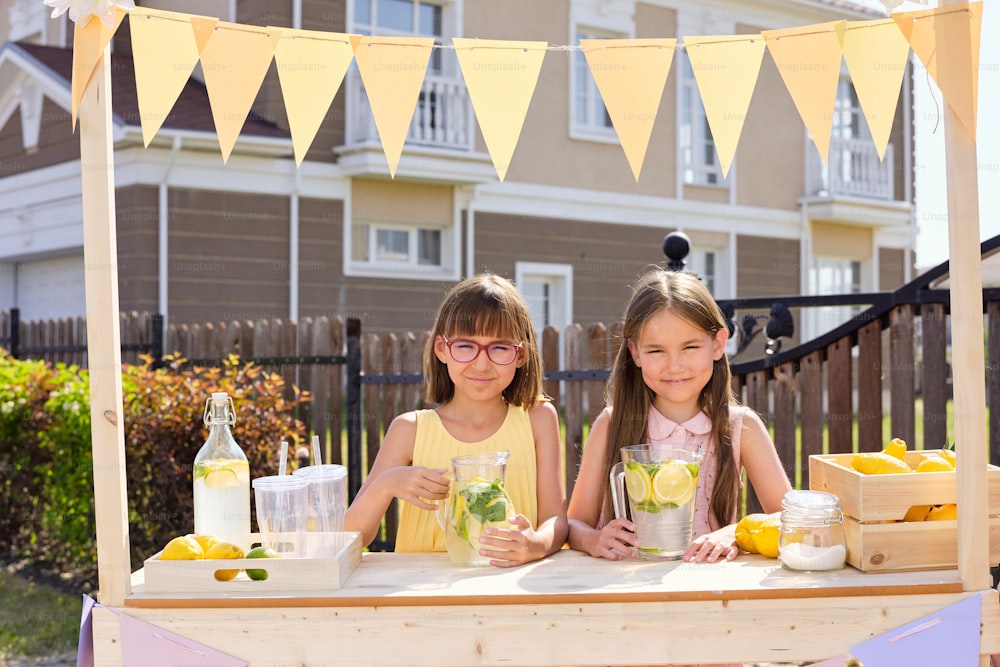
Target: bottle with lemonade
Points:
(222, 478)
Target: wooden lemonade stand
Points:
(570, 608)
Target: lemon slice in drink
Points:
(673, 483)
(638, 484)
(221, 479)
(223, 473)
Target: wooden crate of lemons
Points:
(899, 506)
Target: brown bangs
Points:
(473, 315)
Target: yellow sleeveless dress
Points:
(434, 447)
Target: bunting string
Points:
(500, 76)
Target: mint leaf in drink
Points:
(487, 501)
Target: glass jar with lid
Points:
(812, 532)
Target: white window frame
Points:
(589, 128)
(818, 321)
(561, 276)
(451, 20)
(694, 135)
(847, 107)
(718, 283)
(451, 250)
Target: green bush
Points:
(46, 468)
(24, 386)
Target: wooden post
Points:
(100, 259)
(961, 167)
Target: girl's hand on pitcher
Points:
(510, 547)
(616, 540)
(418, 485)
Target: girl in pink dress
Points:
(671, 383)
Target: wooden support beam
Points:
(968, 365)
(100, 260)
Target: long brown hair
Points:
(685, 295)
(485, 305)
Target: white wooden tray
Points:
(284, 574)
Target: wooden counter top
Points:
(389, 579)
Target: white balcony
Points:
(853, 170)
(443, 117)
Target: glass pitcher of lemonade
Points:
(654, 486)
(476, 501)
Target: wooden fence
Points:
(825, 395)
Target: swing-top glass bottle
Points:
(222, 478)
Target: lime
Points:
(673, 483)
(637, 483)
(260, 552)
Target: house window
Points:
(829, 276)
(590, 117)
(548, 289)
(401, 229)
(410, 18)
(848, 119)
(702, 263)
(699, 161)
(397, 247)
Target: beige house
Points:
(199, 240)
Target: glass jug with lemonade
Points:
(660, 484)
(476, 501)
(222, 478)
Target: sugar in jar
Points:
(812, 532)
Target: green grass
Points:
(35, 619)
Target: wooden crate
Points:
(284, 574)
(874, 506)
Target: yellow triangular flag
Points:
(204, 28)
(808, 59)
(392, 70)
(311, 66)
(165, 54)
(234, 61)
(89, 41)
(725, 68)
(501, 78)
(955, 66)
(876, 53)
(630, 75)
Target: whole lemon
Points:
(949, 456)
(206, 541)
(878, 463)
(934, 464)
(225, 550)
(759, 533)
(947, 512)
(744, 527)
(184, 547)
(896, 448)
(917, 513)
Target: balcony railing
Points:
(853, 170)
(443, 117)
